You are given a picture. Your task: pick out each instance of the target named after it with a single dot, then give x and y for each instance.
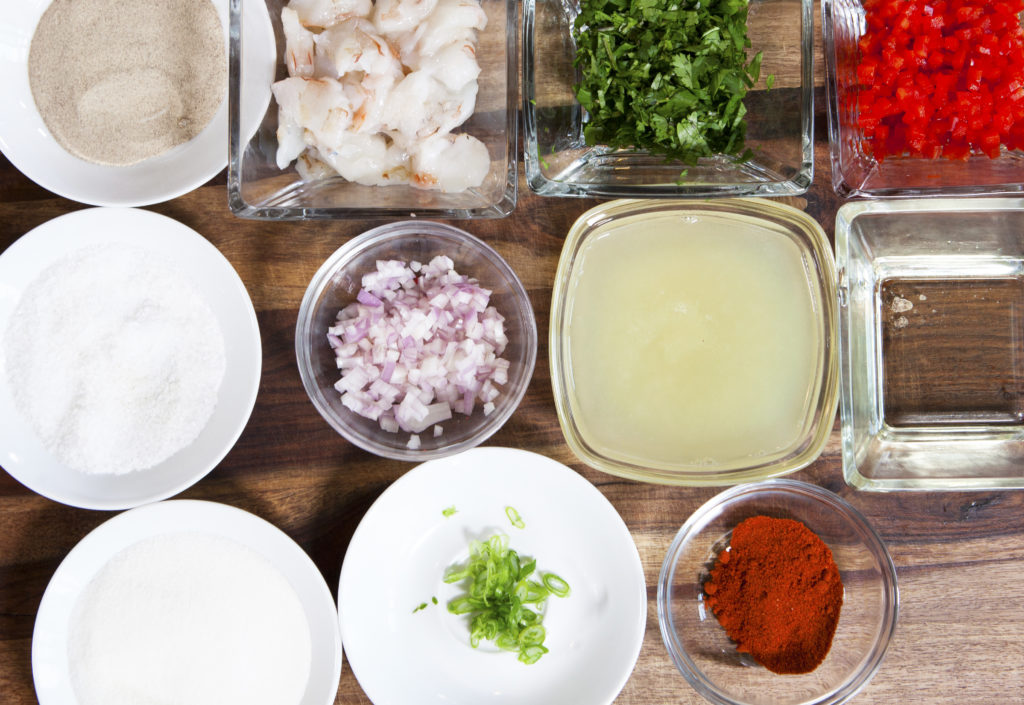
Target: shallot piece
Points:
(419, 343)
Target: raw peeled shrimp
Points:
(394, 17)
(291, 136)
(324, 13)
(451, 21)
(420, 106)
(454, 65)
(358, 105)
(311, 167)
(320, 106)
(370, 96)
(369, 160)
(450, 163)
(354, 45)
(367, 65)
(299, 45)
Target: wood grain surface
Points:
(959, 556)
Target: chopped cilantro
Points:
(449, 512)
(668, 76)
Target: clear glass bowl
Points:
(780, 121)
(854, 171)
(932, 370)
(741, 225)
(258, 189)
(699, 646)
(336, 284)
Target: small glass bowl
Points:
(336, 284)
(699, 646)
(854, 171)
(931, 360)
(258, 189)
(780, 121)
(744, 225)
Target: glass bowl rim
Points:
(386, 233)
(697, 521)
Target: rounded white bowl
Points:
(25, 456)
(28, 144)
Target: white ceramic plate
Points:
(403, 545)
(27, 143)
(25, 457)
(50, 666)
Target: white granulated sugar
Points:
(115, 359)
(189, 619)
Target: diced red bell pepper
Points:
(941, 78)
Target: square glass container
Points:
(854, 171)
(258, 189)
(780, 121)
(931, 348)
(694, 343)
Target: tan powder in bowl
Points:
(120, 81)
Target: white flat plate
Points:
(27, 143)
(50, 667)
(25, 457)
(403, 545)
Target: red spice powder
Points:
(777, 593)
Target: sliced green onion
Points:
(531, 654)
(557, 586)
(532, 635)
(531, 592)
(501, 598)
(507, 642)
(463, 605)
(513, 516)
(527, 570)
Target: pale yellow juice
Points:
(692, 341)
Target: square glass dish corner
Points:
(931, 352)
(258, 189)
(855, 171)
(780, 120)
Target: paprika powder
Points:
(777, 592)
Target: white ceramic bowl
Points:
(51, 668)
(30, 147)
(398, 555)
(27, 459)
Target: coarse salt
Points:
(114, 358)
(189, 619)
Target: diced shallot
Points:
(420, 342)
